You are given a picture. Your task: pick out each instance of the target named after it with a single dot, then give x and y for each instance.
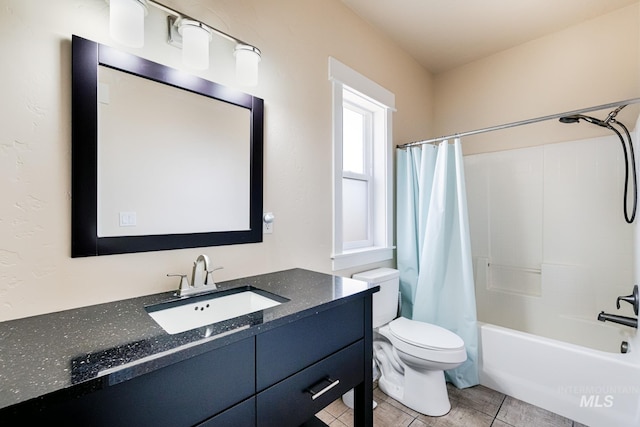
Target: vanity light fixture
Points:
(126, 21)
(247, 59)
(195, 43)
(193, 36)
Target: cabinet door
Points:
(182, 394)
(295, 400)
(286, 350)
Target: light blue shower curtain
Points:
(434, 249)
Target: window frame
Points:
(348, 83)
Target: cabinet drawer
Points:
(292, 401)
(243, 414)
(182, 394)
(290, 348)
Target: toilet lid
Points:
(425, 335)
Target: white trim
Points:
(386, 163)
(345, 82)
(341, 73)
(356, 258)
(337, 166)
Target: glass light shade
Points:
(247, 59)
(195, 44)
(126, 21)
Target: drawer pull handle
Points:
(315, 395)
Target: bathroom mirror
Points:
(161, 159)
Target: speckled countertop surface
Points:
(79, 350)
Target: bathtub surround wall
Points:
(37, 274)
(551, 246)
(555, 212)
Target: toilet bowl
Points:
(410, 355)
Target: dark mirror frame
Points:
(87, 56)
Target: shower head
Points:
(577, 117)
(570, 119)
(629, 158)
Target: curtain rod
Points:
(520, 123)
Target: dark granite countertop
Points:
(75, 351)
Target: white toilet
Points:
(410, 355)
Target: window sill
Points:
(359, 257)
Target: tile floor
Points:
(476, 406)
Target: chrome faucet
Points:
(201, 278)
(200, 268)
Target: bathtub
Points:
(593, 387)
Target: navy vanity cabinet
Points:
(182, 394)
(304, 366)
(281, 375)
(241, 415)
(288, 349)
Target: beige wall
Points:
(589, 64)
(594, 63)
(296, 37)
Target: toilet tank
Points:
(385, 302)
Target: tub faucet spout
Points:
(622, 320)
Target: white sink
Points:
(195, 312)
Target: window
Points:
(357, 175)
(362, 214)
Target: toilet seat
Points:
(425, 335)
(429, 343)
